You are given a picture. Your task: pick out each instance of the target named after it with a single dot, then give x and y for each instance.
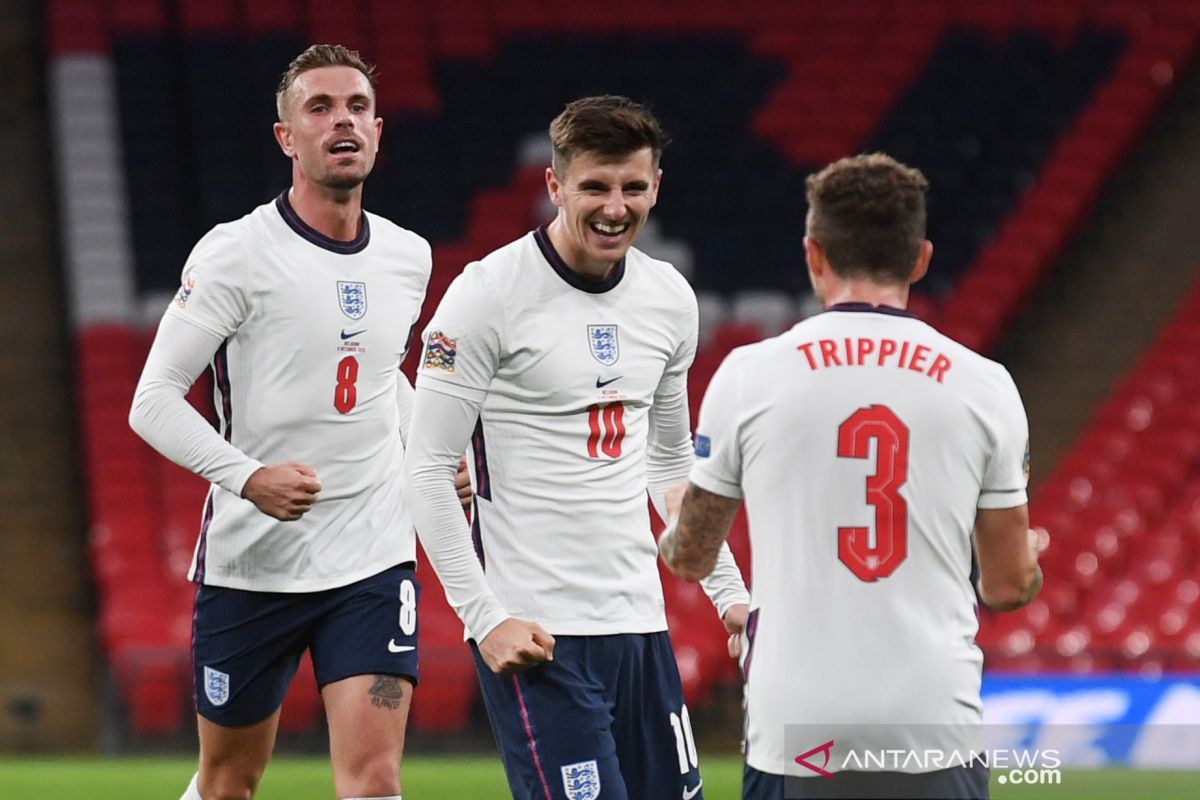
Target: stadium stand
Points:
(1019, 113)
(47, 659)
(1124, 506)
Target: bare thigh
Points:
(367, 715)
(233, 759)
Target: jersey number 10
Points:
(883, 492)
(606, 429)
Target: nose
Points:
(614, 204)
(342, 116)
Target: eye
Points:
(358, 108)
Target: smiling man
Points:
(304, 308)
(562, 359)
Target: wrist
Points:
(666, 542)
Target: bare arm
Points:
(690, 545)
(668, 462)
(1009, 575)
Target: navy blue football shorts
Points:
(605, 720)
(957, 783)
(246, 646)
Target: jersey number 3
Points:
(869, 563)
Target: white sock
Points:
(192, 793)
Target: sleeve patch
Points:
(703, 446)
(185, 291)
(440, 352)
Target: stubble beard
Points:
(344, 182)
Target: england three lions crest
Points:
(581, 781)
(602, 339)
(216, 686)
(352, 297)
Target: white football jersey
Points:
(863, 442)
(566, 371)
(314, 331)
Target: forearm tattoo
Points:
(703, 525)
(387, 692)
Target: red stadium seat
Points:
(734, 334)
(448, 689)
(1006, 635)
(155, 691)
(844, 68)
(207, 16)
(1026, 664)
(272, 16)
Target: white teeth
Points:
(342, 147)
(609, 230)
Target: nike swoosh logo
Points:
(399, 648)
(352, 334)
(688, 794)
(601, 384)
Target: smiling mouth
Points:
(609, 229)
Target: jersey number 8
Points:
(408, 608)
(345, 392)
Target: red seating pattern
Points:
(1162, 41)
(1117, 509)
(146, 515)
(145, 610)
(1123, 510)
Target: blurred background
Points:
(1062, 141)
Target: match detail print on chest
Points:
(606, 418)
(604, 343)
(352, 299)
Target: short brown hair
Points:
(321, 55)
(608, 125)
(868, 213)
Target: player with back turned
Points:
(867, 447)
(562, 359)
(304, 307)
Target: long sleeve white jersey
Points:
(305, 335)
(863, 442)
(577, 395)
